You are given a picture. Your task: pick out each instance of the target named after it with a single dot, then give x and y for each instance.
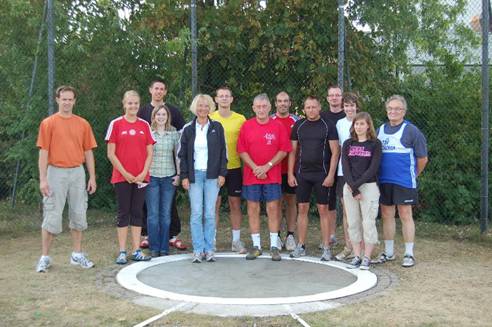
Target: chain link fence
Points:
(428, 51)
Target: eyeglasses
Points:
(397, 109)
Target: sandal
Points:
(145, 243)
(178, 244)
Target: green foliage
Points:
(106, 47)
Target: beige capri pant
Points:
(361, 215)
(65, 184)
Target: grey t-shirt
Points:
(412, 137)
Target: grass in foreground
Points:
(450, 285)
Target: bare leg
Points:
(273, 208)
(290, 211)
(368, 249)
(46, 240)
(76, 240)
(389, 225)
(122, 235)
(236, 214)
(302, 222)
(332, 221)
(135, 230)
(324, 218)
(254, 217)
(407, 224)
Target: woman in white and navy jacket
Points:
(203, 163)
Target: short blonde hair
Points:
(130, 93)
(207, 98)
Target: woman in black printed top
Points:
(361, 155)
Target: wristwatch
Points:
(270, 164)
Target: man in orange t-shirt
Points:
(65, 142)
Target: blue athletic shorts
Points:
(262, 192)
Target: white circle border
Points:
(127, 278)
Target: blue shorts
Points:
(262, 192)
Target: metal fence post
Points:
(341, 42)
(484, 189)
(194, 51)
(51, 55)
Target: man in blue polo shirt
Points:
(403, 160)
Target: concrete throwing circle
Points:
(234, 280)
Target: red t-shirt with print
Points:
(131, 140)
(288, 123)
(262, 142)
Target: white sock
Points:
(256, 240)
(273, 240)
(76, 254)
(236, 235)
(409, 249)
(45, 256)
(389, 247)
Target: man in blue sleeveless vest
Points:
(403, 160)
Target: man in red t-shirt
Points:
(282, 104)
(262, 144)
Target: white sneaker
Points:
(81, 260)
(290, 243)
(43, 264)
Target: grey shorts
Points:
(65, 184)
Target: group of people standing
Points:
(278, 158)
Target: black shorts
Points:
(307, 182)
(339, 186)
(286, 188)
(233, 183)
(393, 194)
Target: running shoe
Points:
(408, 261)
(140, 256)
(345, 254)
(275, 254)
(81, 260)
(238, 246)
(210, 257)
(298, 252)
(326, 256)
(197, 258)
(43, 264)
(253, 253)
(355, 263)
(365, 263)
(122, 260)
(383, 257)
(290, 243)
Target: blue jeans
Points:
(203, 194)
(159, 197)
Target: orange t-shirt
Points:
(66, 140)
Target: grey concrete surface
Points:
(237, 277)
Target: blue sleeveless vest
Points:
(397, 161)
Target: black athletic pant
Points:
(130, 200)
